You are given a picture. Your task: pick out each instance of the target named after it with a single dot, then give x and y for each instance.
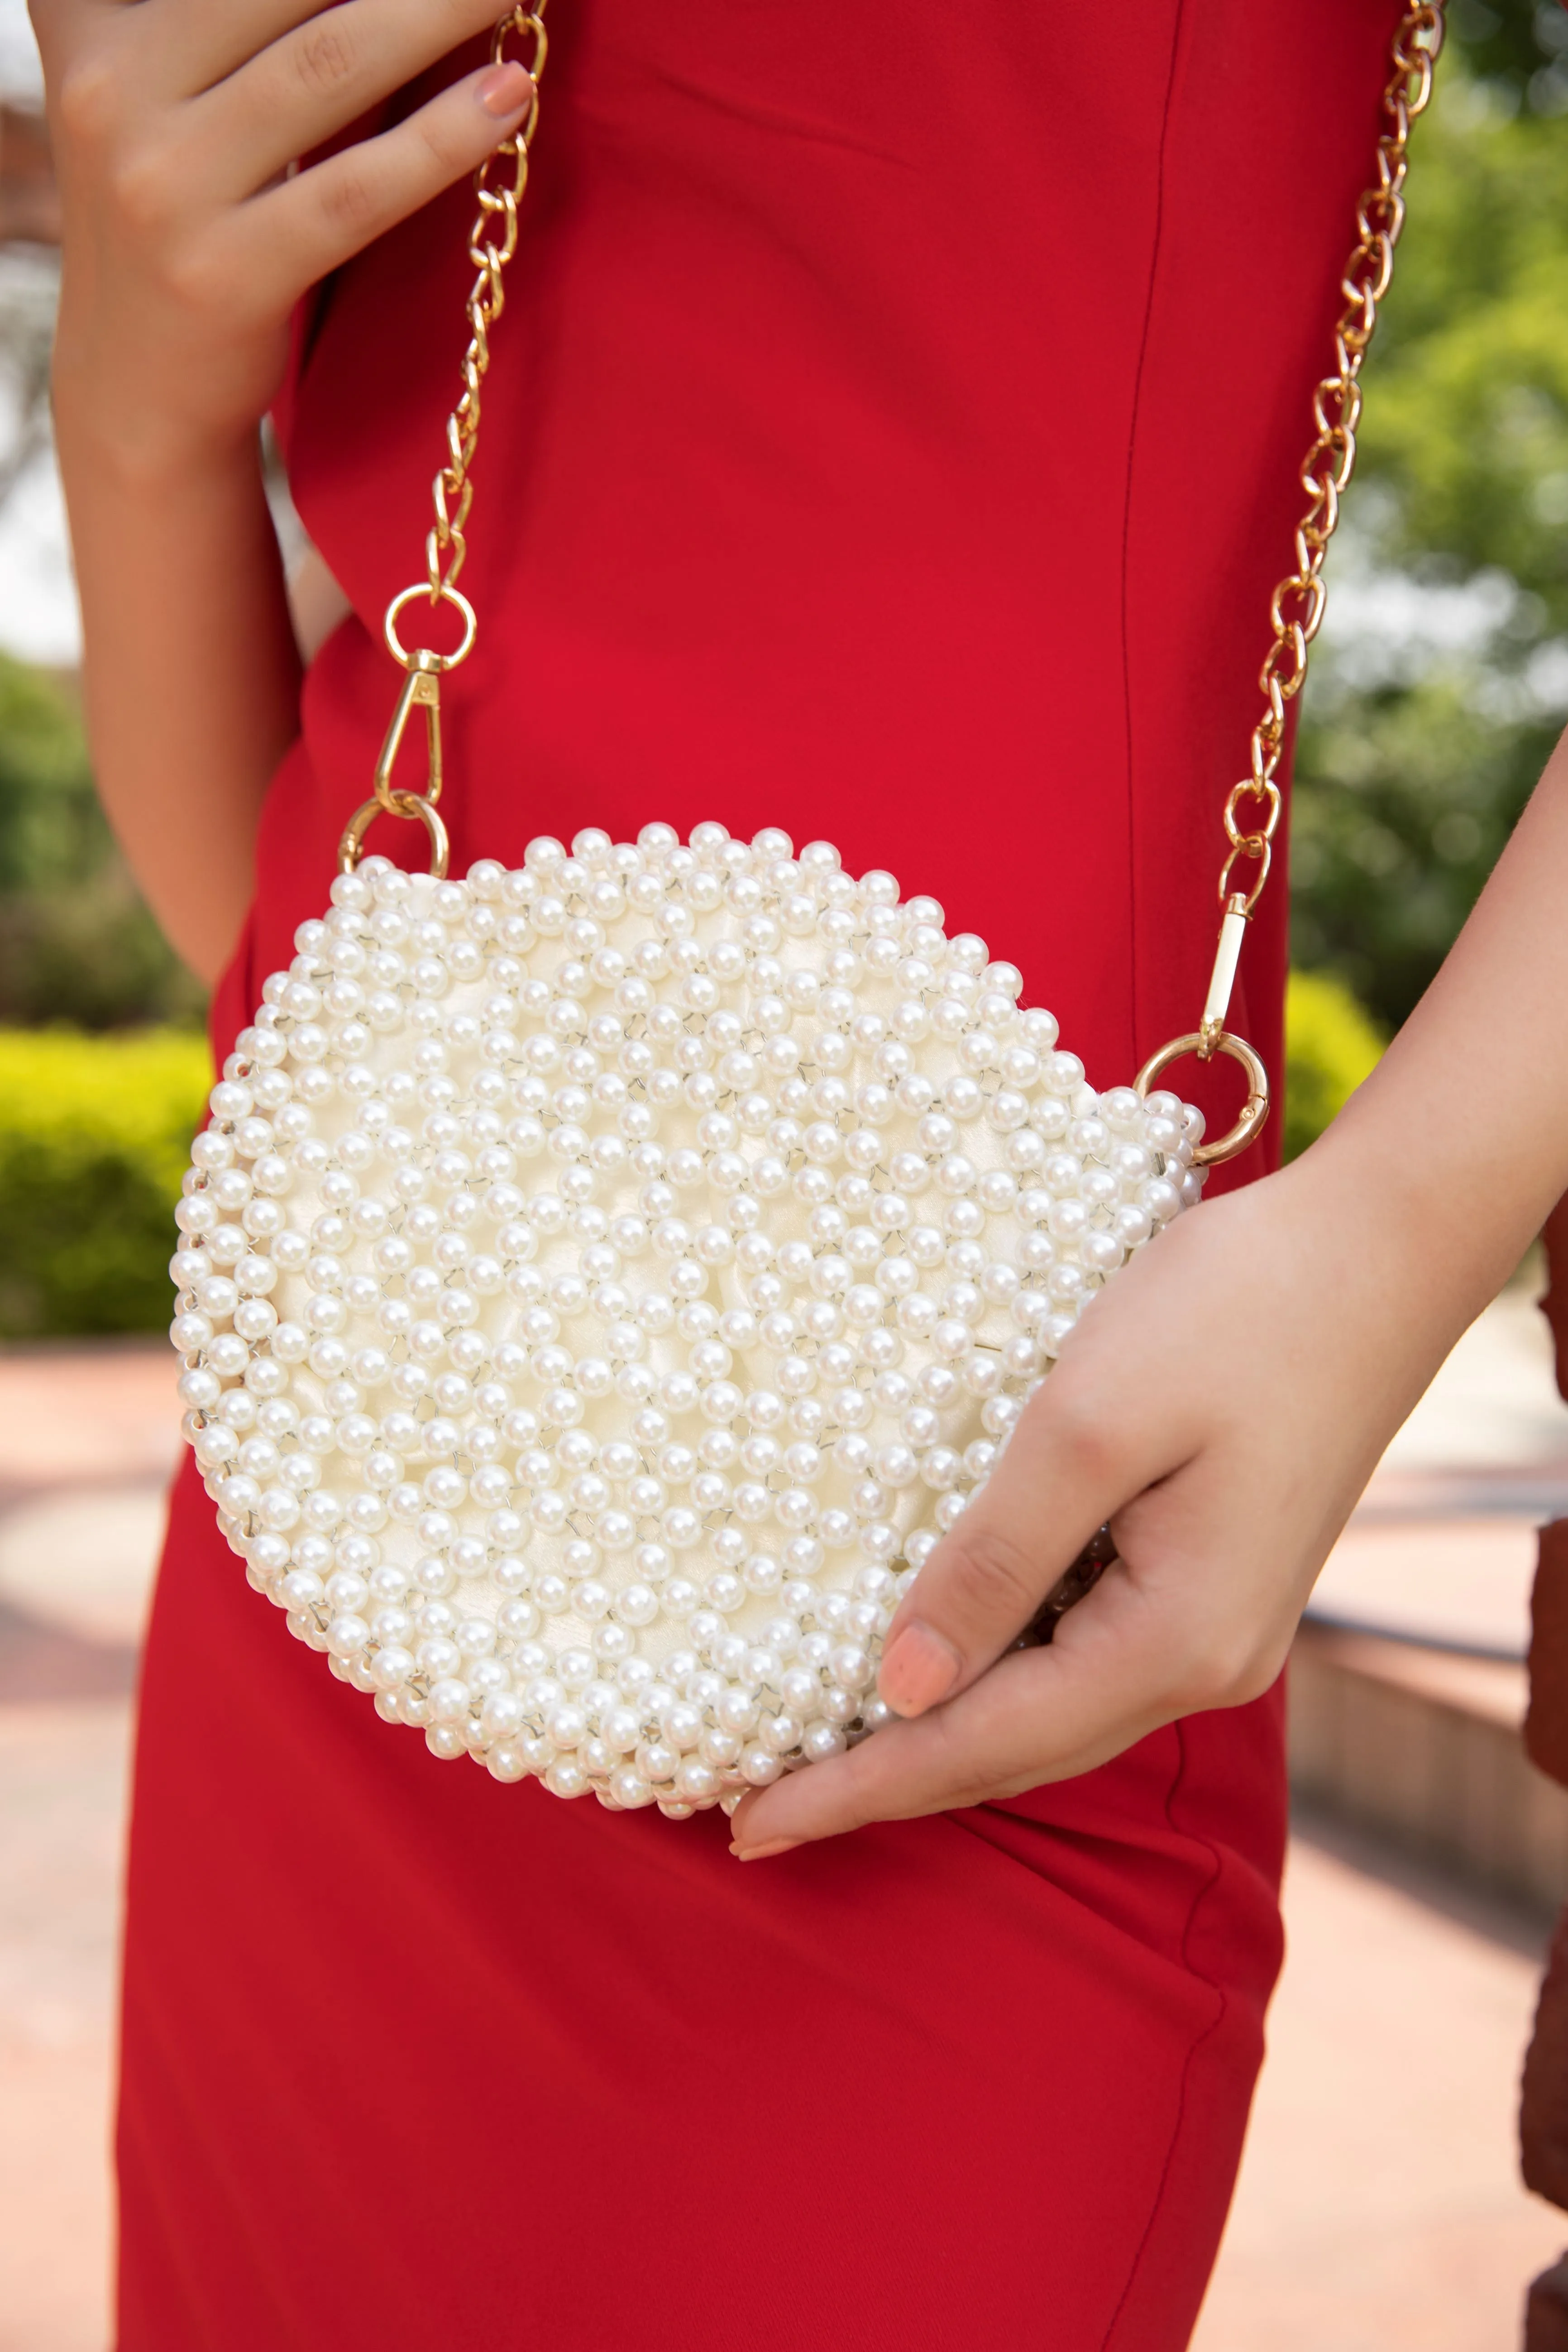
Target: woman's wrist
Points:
(123, 452)
(1434, 1219)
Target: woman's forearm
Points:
(1459, 1138)
(191, 672)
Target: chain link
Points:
(1253, 807)
(499, 186)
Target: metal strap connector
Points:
(1222, 979)
(421, 691)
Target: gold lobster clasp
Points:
(421, 691)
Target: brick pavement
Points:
(1379, 2206)
(62, 1788)
(87, 1437)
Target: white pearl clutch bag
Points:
(602, 1283)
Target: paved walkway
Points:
(1378, 2207)
(62, 1793)
(1443, 1547)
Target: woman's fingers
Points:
(293, 90)
(1039, 1715)
(186, 245)
(320, 218)
(1067, 1467)
(199, 46)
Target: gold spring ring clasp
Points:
(1254, 1111)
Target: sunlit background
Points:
(1380, 2204)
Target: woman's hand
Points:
(1222, 1406)
(186, 241)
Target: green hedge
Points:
(94, 1137)
(95, 1130)
(1331, 1046)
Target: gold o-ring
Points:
(445, 596)
(350, 844)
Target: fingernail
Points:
(920, 1669)
(504, 90)
(760, 1853)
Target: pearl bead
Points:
(552, 1244)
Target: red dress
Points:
(893, 430)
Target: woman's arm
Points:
(1225, 1400)
(186, 244)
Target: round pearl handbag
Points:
(601, 1285)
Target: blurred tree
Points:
(1513, 45)
(1418, 747)
(1466, 417)
(76, 942)
(1405, 797)
(49, 824)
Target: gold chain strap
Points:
(1296, 608)
(499, 186)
